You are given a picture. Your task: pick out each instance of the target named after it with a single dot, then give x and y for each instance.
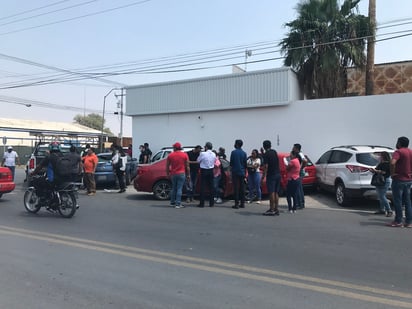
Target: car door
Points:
(321, 166)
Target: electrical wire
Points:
(29, 103)
(33, 10)
(47, 13)
(77, 17)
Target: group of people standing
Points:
(184, 168)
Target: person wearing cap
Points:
(194, 169)
(206, 161)
(9, 160)
(177, 167)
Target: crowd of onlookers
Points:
(264, 164)
(183, 168)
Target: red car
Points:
(309, 181)
(152, 177)
(6, 181)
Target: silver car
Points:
(344, 170)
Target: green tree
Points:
(322, 42)
(94, 121)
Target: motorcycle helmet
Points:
(54, 146)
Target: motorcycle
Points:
(62, 199)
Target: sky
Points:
(65, 57)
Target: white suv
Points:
(344, 170)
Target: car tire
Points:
(161, 190)
(340, 194)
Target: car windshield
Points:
(369, 158)
(104, 157)
(44, 150)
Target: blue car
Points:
(104, 174)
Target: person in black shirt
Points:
(271, 172)
(194, 170)
(383, 168)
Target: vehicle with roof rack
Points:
(345, 170)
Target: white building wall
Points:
(316, 124)
(243, 90)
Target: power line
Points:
(29, 103)
(47, 13)
(77, 17)
(33, 10)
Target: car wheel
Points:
(340, 194)
(161, 190)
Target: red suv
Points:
(152, 177)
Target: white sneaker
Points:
(179, 206)
(257, 202)
(291, 211)
(219, 201)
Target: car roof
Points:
(363, 148)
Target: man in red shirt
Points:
(401, 172)
(177, 166)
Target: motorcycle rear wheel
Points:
(67, 208)
(31, 201)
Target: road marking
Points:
(242, 271)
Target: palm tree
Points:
(323, 41)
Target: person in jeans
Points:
(177, 167)
(292, 187)
(217, 175)
(383, 168)
(10, 158)
(253, 176)
(238, 164)
(303, 162)
(401, 173)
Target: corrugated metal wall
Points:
(244, 90)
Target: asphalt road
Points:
(130, 251)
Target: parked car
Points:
(6, 181)
(104, 175)
(344, 170)
(152, 177)
(309, 181)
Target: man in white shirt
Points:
(9, 160)
(206, 161)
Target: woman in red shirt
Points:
(293, 170)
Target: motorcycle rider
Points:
(49, 162)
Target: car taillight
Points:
(6, 176)
(31, 164)
(357, 168)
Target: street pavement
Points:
(130, 251)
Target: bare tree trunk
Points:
(370, 58)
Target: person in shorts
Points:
(271, 172)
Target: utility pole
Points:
(370, 56)
(121, 114)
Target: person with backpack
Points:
(57, 170)
(89, 165)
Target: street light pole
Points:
(104, 110)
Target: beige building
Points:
(394, 77)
